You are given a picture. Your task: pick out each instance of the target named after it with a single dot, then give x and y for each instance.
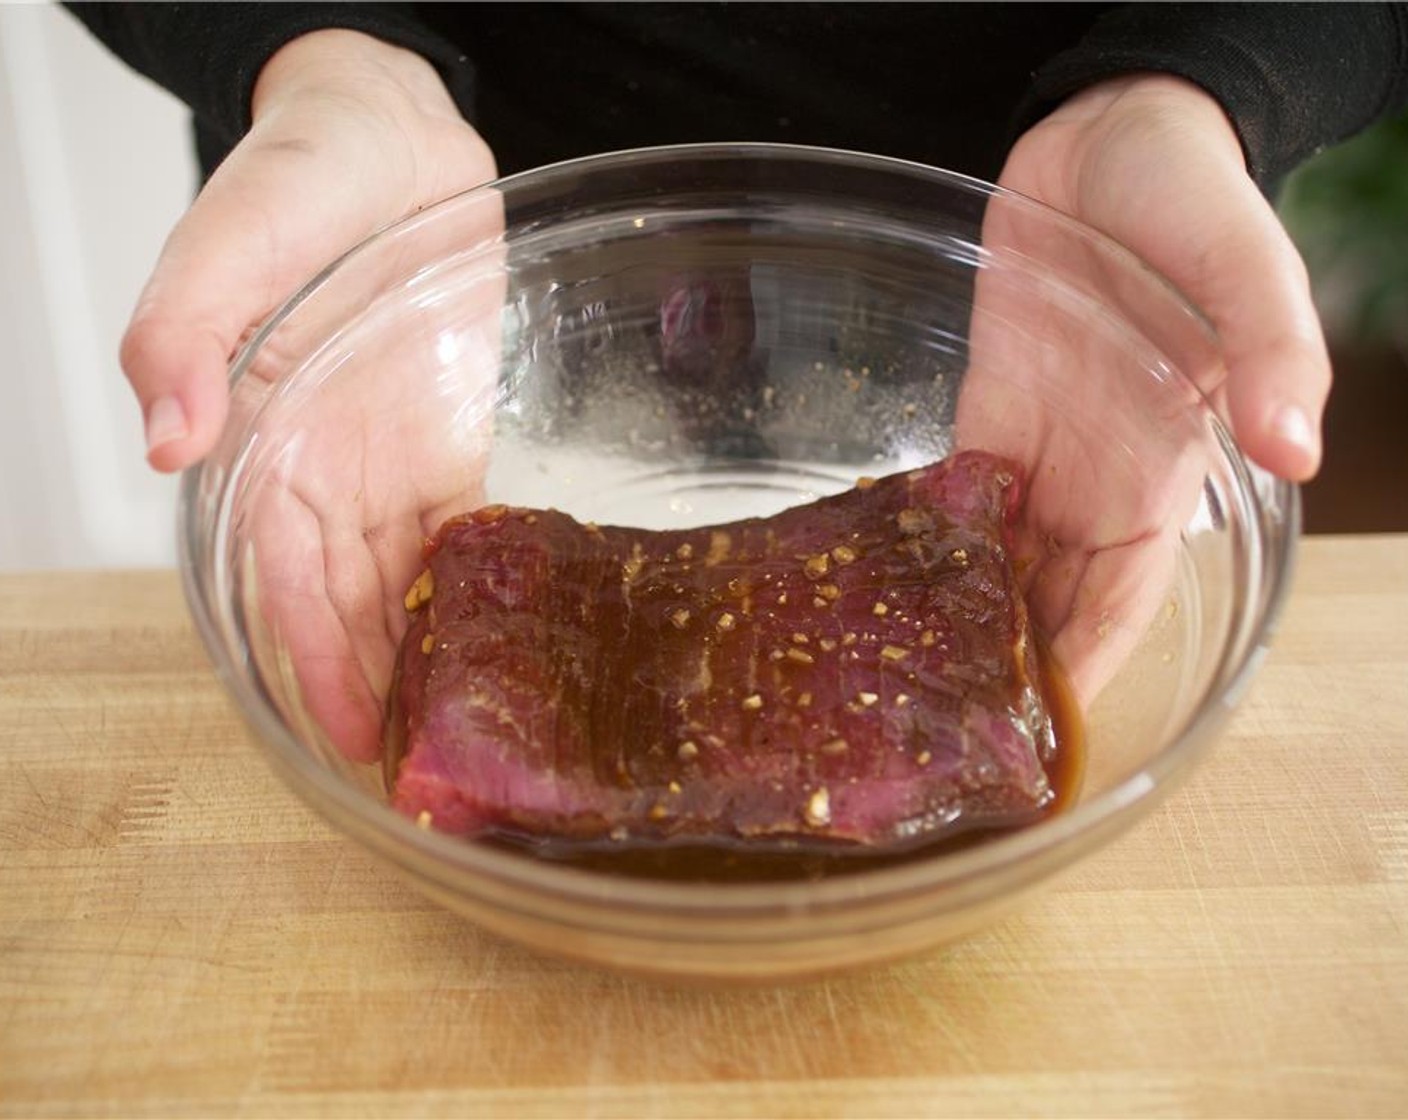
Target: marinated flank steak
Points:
(858, 672)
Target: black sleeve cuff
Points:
(210, 54)
(1293, 78)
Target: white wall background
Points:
(96, 165)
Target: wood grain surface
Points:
(180, 936)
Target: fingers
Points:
(328, 675)
(1112, 599)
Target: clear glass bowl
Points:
(674, 337)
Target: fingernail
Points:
(166, 422)
(1293, 426)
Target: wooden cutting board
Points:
(179, 935)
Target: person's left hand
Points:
(1152, 161)
(1115, 464)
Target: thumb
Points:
(249, 238)
(349, 134)
(1201, 220)
(1258, 296)
(1234, 259)
(175, 351)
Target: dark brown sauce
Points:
(736, 861)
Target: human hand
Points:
(1154, 163)
(349, 134)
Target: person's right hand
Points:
(349, 134)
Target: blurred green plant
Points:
(1347, 211)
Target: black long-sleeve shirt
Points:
(946, 84)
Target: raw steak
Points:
(856, 671)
